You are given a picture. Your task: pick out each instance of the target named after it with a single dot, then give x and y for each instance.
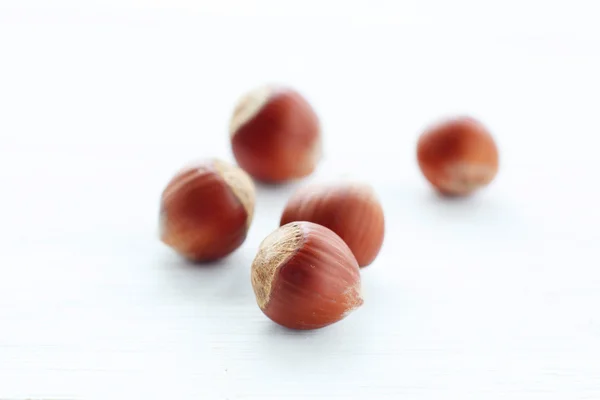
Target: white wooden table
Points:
(497, 296)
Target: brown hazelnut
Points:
(351, 210)
(305, 277)
(458, 156)
(206, 210)
(275, 134)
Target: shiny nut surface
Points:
(458, 156)
(305, 277)
(351, 210)
(206, 210)
(275, 134)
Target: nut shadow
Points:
(279, 330)
(460, 207)
(482, 211)
(280, 344)
(224, 280)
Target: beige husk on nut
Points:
(248, 106)
(240, 183)
(274, 251)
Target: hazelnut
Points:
(305, 277)
(206, 210)
(275, 134)
(351, 210)
(458, 156)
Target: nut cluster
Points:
(307, 273)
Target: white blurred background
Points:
(491, 297)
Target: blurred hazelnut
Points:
(351, 210)
(206, 210)
(458, 156)
(275, 134)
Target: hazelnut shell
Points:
(206, 210)
(275, 134)
(351, 210)
(458, 156)
(305, 277)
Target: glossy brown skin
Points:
(282, 141)
(201, 218)
(351, 210)
(318, 286)
(458, 156)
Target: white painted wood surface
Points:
(497, 296)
